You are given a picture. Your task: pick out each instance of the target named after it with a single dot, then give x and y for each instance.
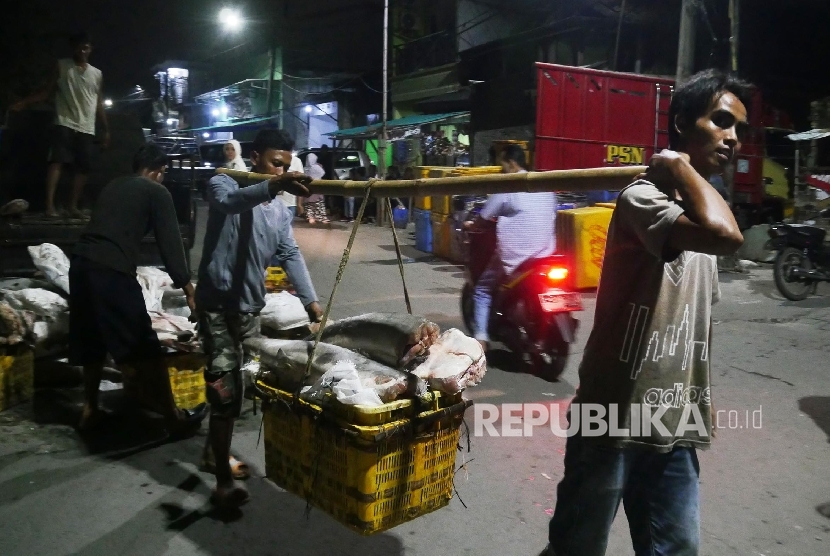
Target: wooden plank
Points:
(589, 179)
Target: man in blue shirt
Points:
(245, 229)
(525, 230)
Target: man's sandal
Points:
(237, 496)
(239, 469)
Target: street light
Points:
(308, 109)
(230, 19)
(206, 135)
(108, 102)
(215, 112)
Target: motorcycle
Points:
(803, 259)
(532, 309)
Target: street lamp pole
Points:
(381, 208)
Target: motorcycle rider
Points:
(524, 230)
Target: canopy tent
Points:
(239, 125)
(400, 128)
(811, 135)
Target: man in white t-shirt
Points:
(77, 90)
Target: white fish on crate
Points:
(283, 363)
(455, 362)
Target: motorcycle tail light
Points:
(557, 273)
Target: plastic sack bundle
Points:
(50, 312)
(43, 303)
(15, 326)
(13, 208)
(53, 263)
(346, 384)
(153, 282)
(283, 311)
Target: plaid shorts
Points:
(222, 335)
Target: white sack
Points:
(53, 263)
(283, 311)
(152, 282)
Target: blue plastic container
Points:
(565, 206)
(601, 196)
(423, 231)
(400, 217)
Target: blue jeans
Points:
(660, 494)
(483, 298)
(348, 210)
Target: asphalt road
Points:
(763, 489)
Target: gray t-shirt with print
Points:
(649, 349)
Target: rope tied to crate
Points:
(339, 277)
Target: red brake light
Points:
(557, 273)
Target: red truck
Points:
(588, 118)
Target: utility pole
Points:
(619, 32)
(275, 27)
(686, 45)
(273, 67)
(735, 21)
(381, 208)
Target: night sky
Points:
(785, 44)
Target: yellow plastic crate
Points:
(475, 170)
(17, 376)
(441, 235)
(439, 172)
(365, 415)
(611, 206)
(186, 372)
(423, 171)
(582, 233)
(423, 203)
(276, 280)
(367, 478)
(442, 204)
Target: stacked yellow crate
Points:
(475, 170)
(186, 373)
(17, 375)
(441, 234)
(276, 280)
(581, 233)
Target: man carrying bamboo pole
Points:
(245, 229)
(646, 365)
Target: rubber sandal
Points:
(239, 469)
(237, 497)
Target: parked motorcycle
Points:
(803, 259)
(532, 309)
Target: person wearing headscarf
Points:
(315, 204)
(233, 156)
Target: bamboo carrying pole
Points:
(590, 179)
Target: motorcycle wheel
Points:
(467, 307)
(550, 359)
(793, 289)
